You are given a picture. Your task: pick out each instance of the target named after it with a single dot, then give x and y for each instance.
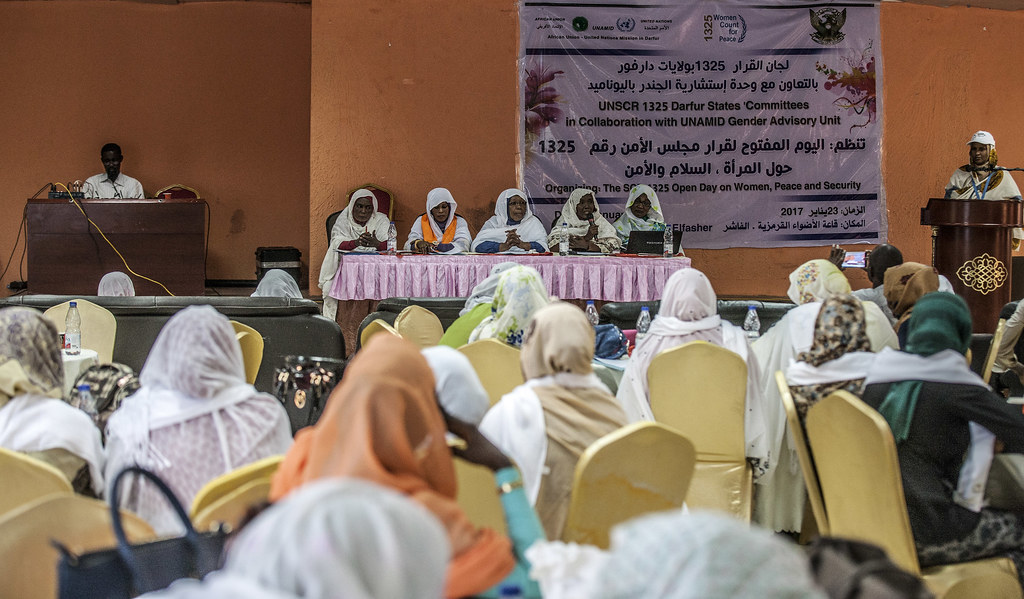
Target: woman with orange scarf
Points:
(439, 230)
(383, 424)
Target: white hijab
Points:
(336, 537)
(116, 284)
(347, 229)
(483, 293)
(440, 195)
(277, 283)
(459, 390)
(578, 226)
(530, 229)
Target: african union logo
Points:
(625, 24)
(580, 24)
(827, 23)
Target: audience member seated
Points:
(546, 423)
(779, 504)
(439, 230)
(383, 424)
(513, 228)
(112, 183)
(698, 556)
(333, 538)
(939, 411)
(33, 417)
(588, 230)
(1008, 372)
(519, 295)
(194, 417)
(477, 308)
(904, 285)
(643, 213)
(839, 357)
(116, 284)
(277, 283)
(359, 227)
(877, 261)
(459, 390)
(688, 313)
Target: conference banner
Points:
(757, 124)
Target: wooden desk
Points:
(161, 239)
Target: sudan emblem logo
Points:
(828, 24)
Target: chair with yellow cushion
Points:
(993, 349)
(226, 483)
(859, 472)
(375, 327)
(99, 327)
(252, 349)
(478, 496)
(497, 365)
(80, 524)
(419, 325)
(803, 453)
(642, 467)
(26, 479)
(700, 389)
(232, 508)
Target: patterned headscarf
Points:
(841, 328)
(520, 293)
(906, 283)
(30, 360)
(816, 280)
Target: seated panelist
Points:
(439, 230)
(643, 213)
(513, 228)
(112, 183)
(588, 230)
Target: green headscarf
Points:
(940, 321)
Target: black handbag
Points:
(130, 570)
(849, 569)
(303, 386)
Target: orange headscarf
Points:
(382, 424)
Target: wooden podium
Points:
(971, 246)
(163, 239)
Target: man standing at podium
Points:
(112, 183)
(977, 180)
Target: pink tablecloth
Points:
(606, 278)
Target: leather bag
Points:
(303, 386)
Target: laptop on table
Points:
(651, 242)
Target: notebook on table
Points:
(651, 242)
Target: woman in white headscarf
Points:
(519, 295)
(459, 390)
(513, 228)
(194, 417)
(477, 308)
(689, 312)
(359, 227)
(588, 230)
(643, 213)
(337, 537)
(545, 424)
(439, 230)
(116, 284)
(277, 283)
(33, 417)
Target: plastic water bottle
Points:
(86, 401)
(667, 244)
(563, 240)
(392, 239)
(643, 323)
(751, 323)
(73, 331)
(592, 313)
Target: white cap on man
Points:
(982, 137)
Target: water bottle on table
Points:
(563, 240)
(592, 315)
(752, 324)
(392, 239)
(73, 330)
(667, 244)
(643, 323)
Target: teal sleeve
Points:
(524, 529)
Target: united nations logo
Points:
(625, 24)
(827, 23)
(580, 24)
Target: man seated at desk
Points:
(112, 183)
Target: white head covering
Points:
(816, 281)
(436, 196)
(332, 538)
(483, 293)
(347, 229)
(458, 387)
(577, 226)
(116, 284)
(530, 229)
(701, 556)
(277, 283)
(627, 223)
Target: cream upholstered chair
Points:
(859, 471)
(226, 483)
(232, 508)
(497, 365)
(478, 496)
(26, 479)
(993, 349)
(642, 467)
(700, 389)
(99, 327)
(252, 349)
(80, 524)
(803, 452)
(375, 327)
(419, 325)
